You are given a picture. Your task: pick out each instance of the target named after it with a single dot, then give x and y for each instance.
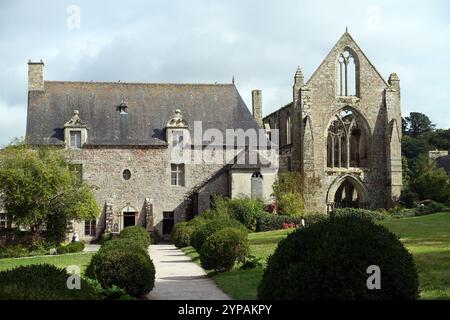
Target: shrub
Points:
(105, 238)
(41, 282)
(222, 249)
(246, 211)
(204, 231)
(124, 268)
(181, 234)
(13, 251)
(291, 204)
(362, 213)
(125, 245)
(429, 207)
(70, 248)
(138, 234)
(251, 262)
(113, 293)
(329, 260)
(269, 221)
(409, 199)
(404, 213)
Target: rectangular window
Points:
(177, 174)
(177, 139)
(168, 222)
(75, 139)
(3, 221)
(89, 227)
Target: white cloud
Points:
(12, 122)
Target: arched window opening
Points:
(288, 130)
(347, 141)
(346, 74)
(257, 185)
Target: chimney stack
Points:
(257, 106)
(35, 76)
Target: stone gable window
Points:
(347, 71)
(89, 227)
(177, 174)
(288, 129)
(75, 139)
(347, 140)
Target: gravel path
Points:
(179, 278)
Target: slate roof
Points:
(444, 162)
(149, 108)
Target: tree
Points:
(416, 124)
(292, 190)
(39, 190)
(429, 182)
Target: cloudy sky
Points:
(260, 43)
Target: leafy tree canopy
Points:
(38, 188)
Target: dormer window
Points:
(122, 108)
(75, 139)
(75, 132)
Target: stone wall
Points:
(315, 104)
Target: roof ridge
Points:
(142, 83)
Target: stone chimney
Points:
(35, 76)
(257, 106)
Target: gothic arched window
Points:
(288, 130)
(346, 74)
(347, 141)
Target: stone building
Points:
(155, 152)
(442, 159)
(343, 126)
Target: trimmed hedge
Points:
(270, 221)
(70, 248)
(138, 234)
(202, 232)
(125, 267)
(329, 260)
(222, 249)
(182, 233)
(42, 282)
(124, 244)
(362, 213)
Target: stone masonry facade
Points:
(351, 141)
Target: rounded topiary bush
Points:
(211, 226)
(42, 282)
(181, 234)
(222, 249)
(361, 213)
(124, 244)
(329, 260)
(125, 268)
(138, 234)
(70, 248)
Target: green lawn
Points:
(242, 284)
(426, 237)
(80, 259)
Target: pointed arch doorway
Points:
(347, 192)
